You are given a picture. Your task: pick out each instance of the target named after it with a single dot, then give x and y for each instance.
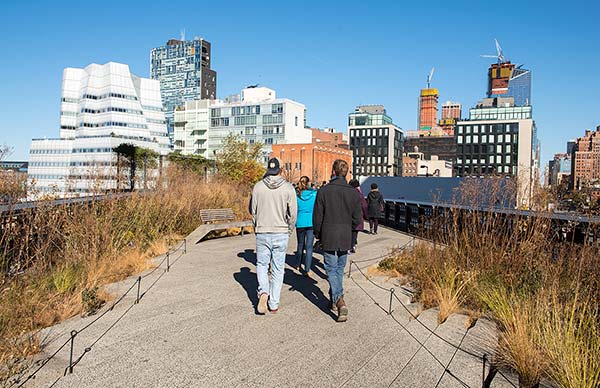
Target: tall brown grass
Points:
(52, 255)
(542, 292)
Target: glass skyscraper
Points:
(183, 69)
(519, 86)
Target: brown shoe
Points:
(342, 310)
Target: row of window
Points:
(153, 121)
(112, 109)
(483, 148)
(368, 119)
(497, 159)
(272, 119)
(153, 108)
(488, 128)
(112, 124)
(91, 150)
(380, 141)
(108, 95)
(370, 150)
(55, 151)
(71, 164)
(46, 176)
(479, 139)
(370, 160)
(245, 120)
(246, 110)
(368, 132)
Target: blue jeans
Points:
(271, 249)
(335, 262)
(306, 239)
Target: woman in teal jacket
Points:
(304, 226)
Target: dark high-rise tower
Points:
(183, 69)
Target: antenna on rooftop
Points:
(430, 76)
(182, 34)
(499, 54)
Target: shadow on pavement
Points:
(309, 289)
(306, 286)
(247, 280)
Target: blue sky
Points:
(331, 56)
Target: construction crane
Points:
(499, 55)
(430, 76)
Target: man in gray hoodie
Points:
(273, 207)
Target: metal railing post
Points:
(73, 335)
(139, 283)
(391, 300)
(168, 262)
(184, 245)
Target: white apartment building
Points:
(102, 107)
(415, 164)
(257, 115)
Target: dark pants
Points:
(373, 223)
(354, 238)
(306, 239)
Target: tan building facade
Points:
(586, 160)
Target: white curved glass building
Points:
(102, 107)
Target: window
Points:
(277, 108)
(272, 119)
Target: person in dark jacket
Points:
(365, 214)
(337, 212)
(375, 203)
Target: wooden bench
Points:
(218, 219)
(216, 215)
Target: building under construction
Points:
(428, 108)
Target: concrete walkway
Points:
(197, 327)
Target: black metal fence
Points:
(418, 218)
(165, 264)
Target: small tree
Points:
(238, 160)
(195, 163)
(148, 159)
(126, 151)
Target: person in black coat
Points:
(375, 204)
(337, 212)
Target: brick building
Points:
(586, 160)
(314, 159)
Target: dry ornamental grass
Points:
(55, 261)
(542, 293)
